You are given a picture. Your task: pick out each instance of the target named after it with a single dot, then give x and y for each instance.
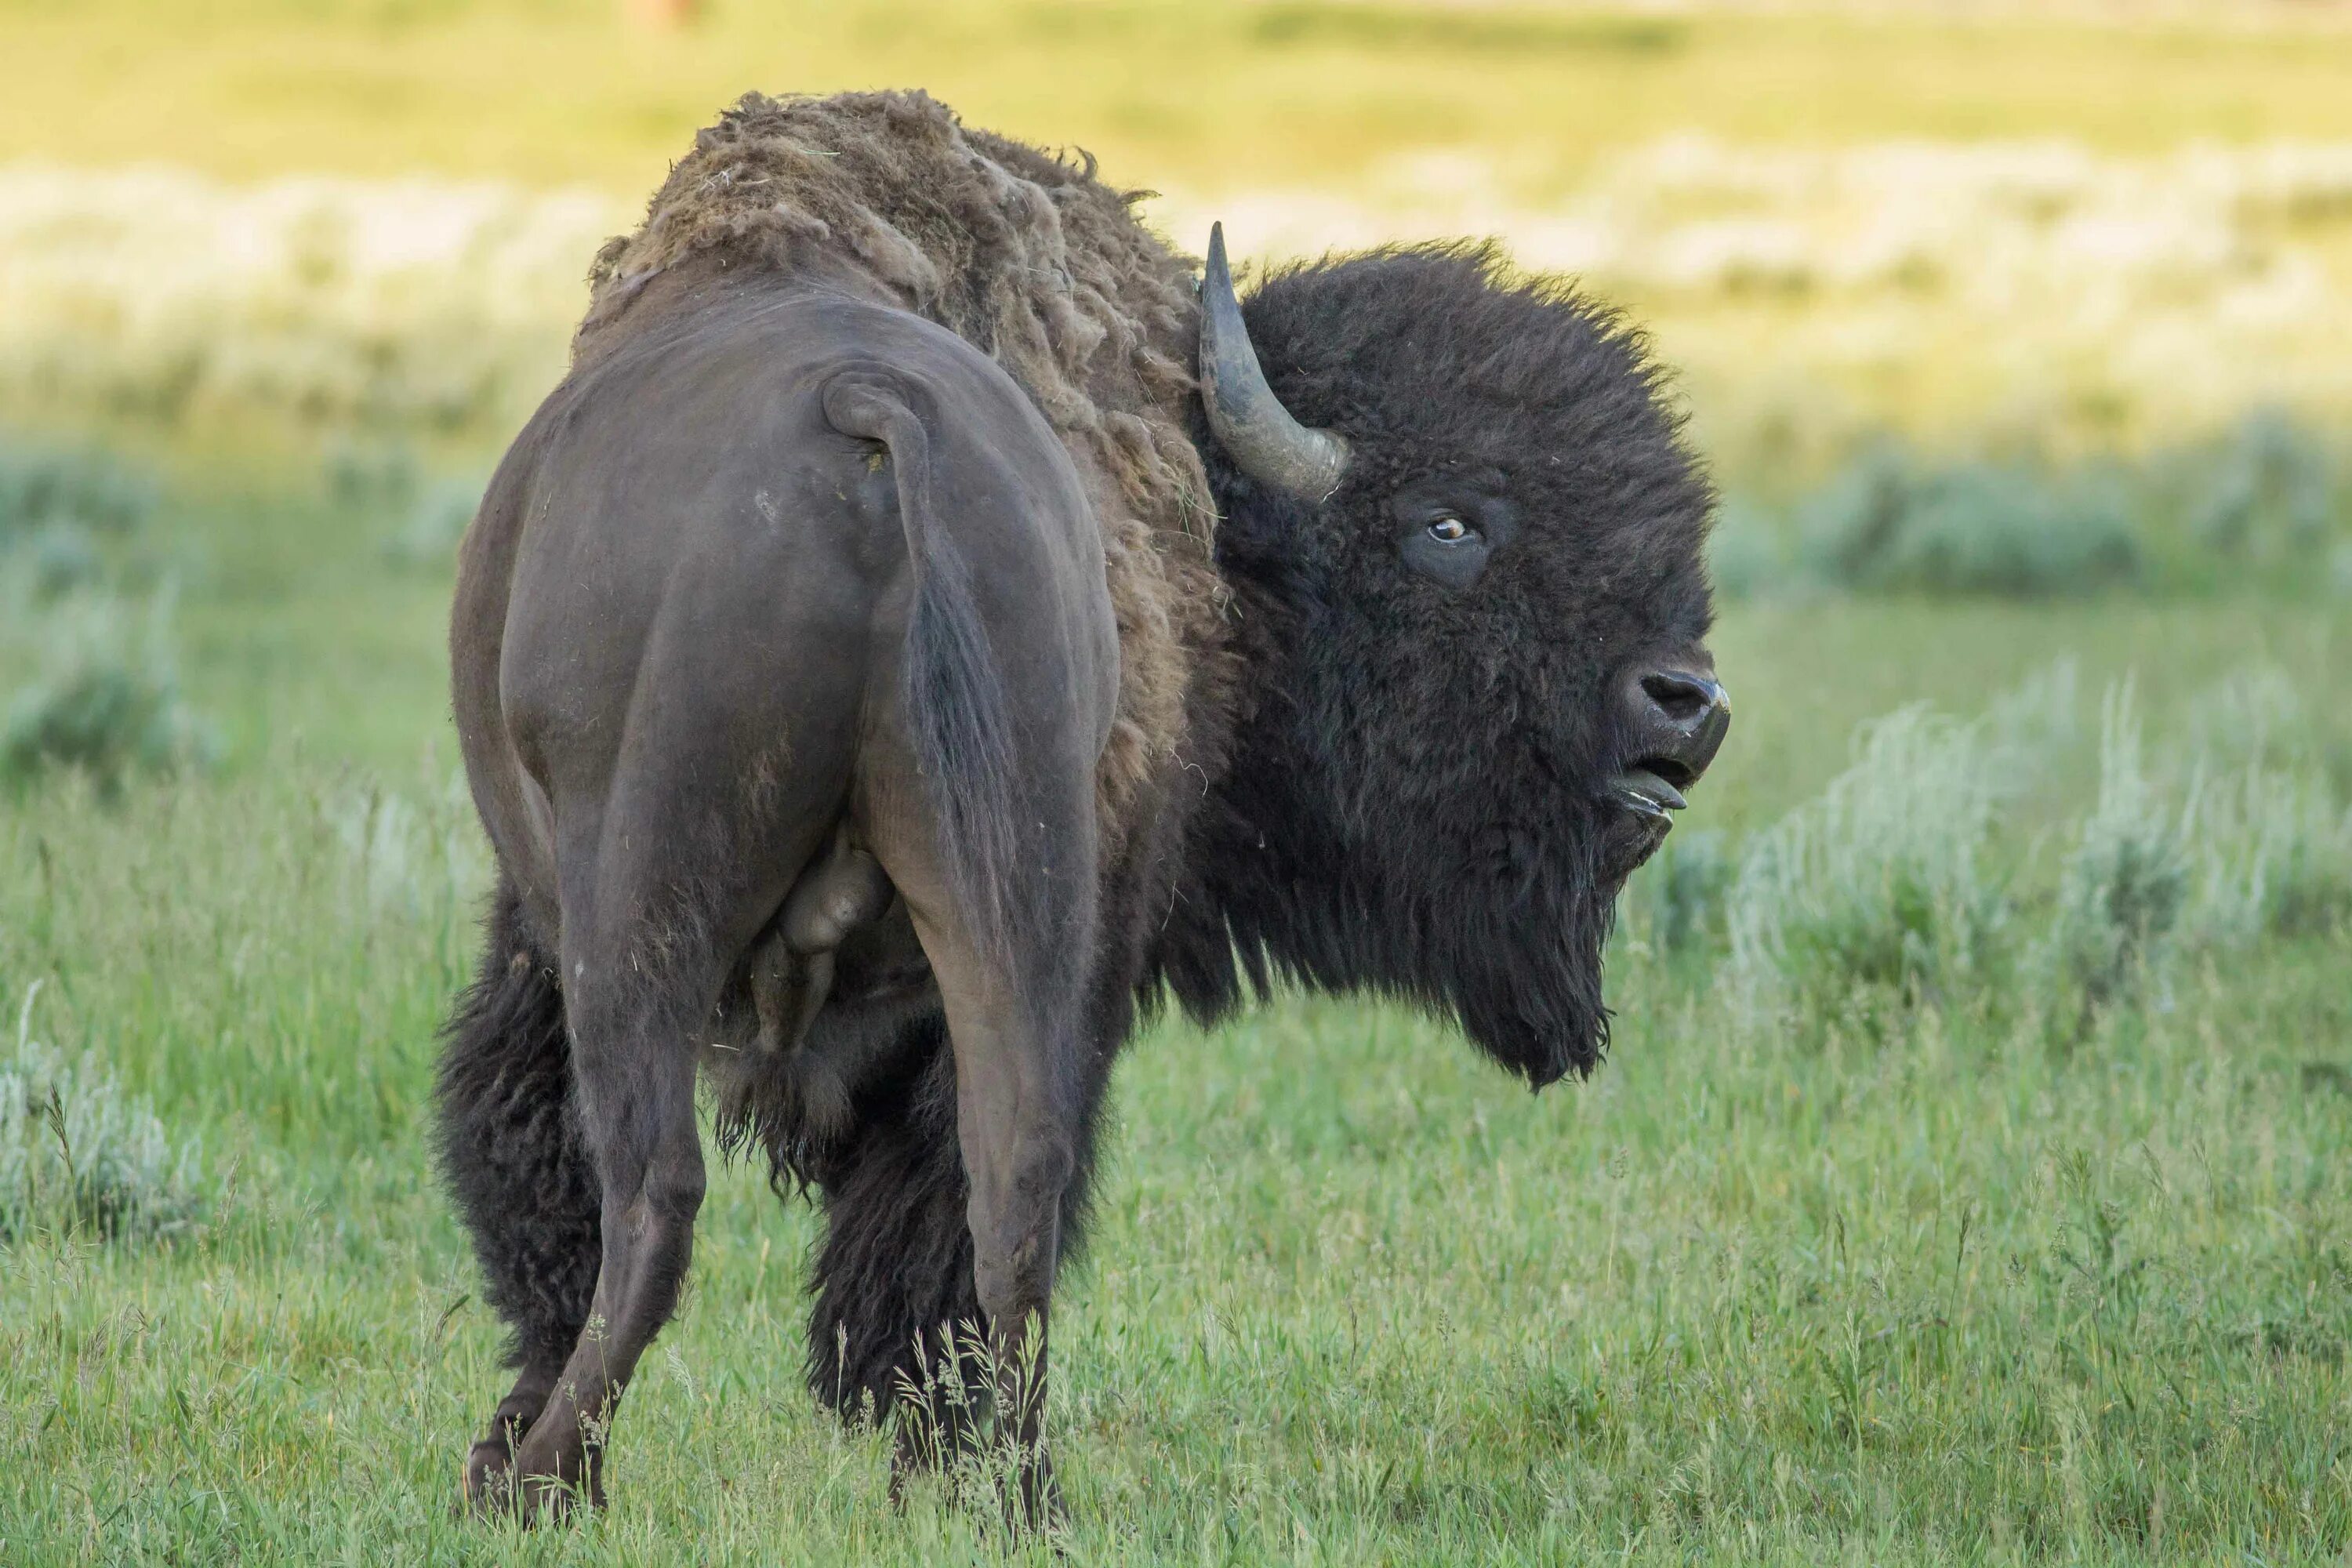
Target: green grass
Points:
(1900, 1286)
(1352, 1298)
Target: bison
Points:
(885, 669)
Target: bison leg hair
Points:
(891, 1334)
(511, 1150)
(895, 1299)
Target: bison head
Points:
(1466, 540)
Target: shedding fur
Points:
(1030, 258)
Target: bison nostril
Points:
(1683, 698)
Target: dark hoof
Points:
(553, 1499)
(496, 1490)
(489, 1478)
(1031, 1501)
(552, 1481)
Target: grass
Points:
(557, 90)
(1929, 1286)
(2072, 231)
(76, 1153)
(2258, 507)
(1351, 1298)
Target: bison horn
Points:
(1250, 422)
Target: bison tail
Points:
(953, 690)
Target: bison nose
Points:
(1680, 717)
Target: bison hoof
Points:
(489, 1478)
(554, 1499)
(1032, 1501)
(553, 1479)
(495, 1490)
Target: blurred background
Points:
(1990, 301)
(1971, 1163)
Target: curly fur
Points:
(1031, 259)
(1411, 801)
(510, 1144)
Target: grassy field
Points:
(1892, 1282)
(1277, 91)
(2060, 230)
(1968, 1182)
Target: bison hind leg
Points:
(511, 1151)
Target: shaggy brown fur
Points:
(1033, 261)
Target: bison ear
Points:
(1250, 422)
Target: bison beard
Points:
(1500, 927)
(1291, 759)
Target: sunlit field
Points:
(1968, 1180)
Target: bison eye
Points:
(1447, 528)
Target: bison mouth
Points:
(1652, 788)
(1676, 719)
(1645, 795)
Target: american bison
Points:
(884, 666)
